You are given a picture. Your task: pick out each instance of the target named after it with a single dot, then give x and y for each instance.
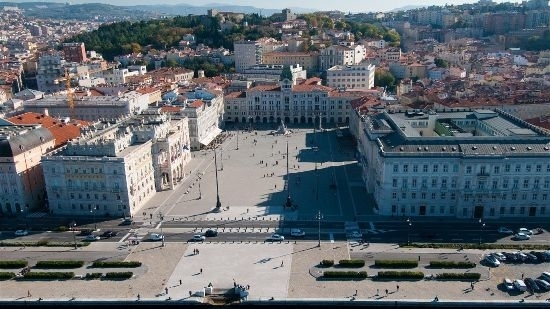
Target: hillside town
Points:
(79, 132)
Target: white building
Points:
(341, 55)
(50, 69)
(351, 76)
(454, 163)
(117, 166)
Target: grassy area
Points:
(484, 246)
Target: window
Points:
(518, 168)
(442, 195)
(432, 209)
(481, 184)
(434, 182)
(455, 168)
(522, 210)
(512, 210)
(504, 196)
(425, 168)
(453, 183)
(514, 196)
(424, 183)
(444, 183)
(516, 184)
(542, 210)
(415, 168)
(412, 209)
(445, 168)
(524, 196)
(413, 195)
(433, 195)
(544, 197)
(405, 168)
(394, 195)
(534, 197)
(394, 182)
(467, 184)
(495, 184)
(403, 195)
(423, 195)
(538, 168)
(505, 183)
(468, 169)
(404, 183)
(536, 183)
(507, 168)
(441, 210)
(546, 183)
(453, 196)
(435, 168)
(502, 210)
(452, 210)
(395, 168)
(526, 183)
(528, 168)
(414, 182)
(496, 169)
(393, 208)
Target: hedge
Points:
(400, 275)
(455, 276)
(396, 263)
(327, 263)
(93, 276)
(487, 246)
(451, 264)
(48, 275)
(6, 275)
(59, 264)
(13, 264)
(115, 264)
(41, 243)
(351, 263)
(119, 275)
(345, 274)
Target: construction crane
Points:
(70, 93)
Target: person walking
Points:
(397, 287)
(386, 291)
(166, 290)
(139, 297)
(377, 292)
(29, 293)
(282, 263)
(201, 270)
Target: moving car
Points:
(508, 284)
(85, 232)
(297, 233)
(21, 233)
(156, 237)
(276, 237)
(505, 230)
(109, 234)
(198, 237)
(127, 221)
(211, 233)
(525, 231)
(92, 237)
(491, 260)
(521, 236)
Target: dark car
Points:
(211, 233)
(127, 221)
(532, 285)
(109, 234)
(85, 232)
(510, 257)
(531, 258)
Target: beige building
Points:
(118, 165)
(21, 177)
(308, 61)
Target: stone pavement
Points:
(282, 271)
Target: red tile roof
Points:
(196, 104)
(170, 109)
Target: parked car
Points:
(508, 284)
(532, 285)
(510, 257)
(92, 237)
(156, 237)
(491, 260)
(531, 258)
(297, 233)
(21, 233)
(520, 285)
(525, 231)
(109, 234)
(355, 234)
(211, 233)
(521, 236)
(543, 284)
(198, 237)
(505, 230)
(522, 256)
(545, 276)
(276, 237)
(540, 255)
(501, 257)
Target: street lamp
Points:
(73, 226)
(319, 217)
(221, 158)
(200, 193)
(218, 203)
(237, 138)
(95, 222)
(161, 217)
(409, 223)
(288, 203)
(481, 226)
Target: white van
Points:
(520, 285)
(297, 233)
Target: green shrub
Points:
(119, 275)
(93, 276)
(116, 264)
(351, 263)
(6, 275)
(345, 274)
(13, 264)
(49, 275)
(493, 246)
(327, 263)
(42, 243)
(59, 264)
(396, 263)
(458, 276)
(451, 264)
(400, 275)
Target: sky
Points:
(321, 5)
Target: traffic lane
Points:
(252, 237)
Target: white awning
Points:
(211, 135)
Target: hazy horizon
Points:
(342, 5)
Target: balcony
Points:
(483, 174)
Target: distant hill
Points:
(186, 9)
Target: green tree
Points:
(383, 78)
(440, 63)
(286, 73)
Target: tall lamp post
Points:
(319, 217)
(161, 217)
(237, 139)
(288, 203)
(409, 223)
(200, 193)
(481, 226)
(95, 222)
(218, 203)
(73, 226)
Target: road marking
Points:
(331, 236)
(371, 225)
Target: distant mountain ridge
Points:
(186, 9)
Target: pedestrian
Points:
(282, 263)
(201, 270)
(139, 297)
(166, 290)
(419, 258)
(377, 292)
(190, 293)
(180, 281)
(386, 291)
(521, 277)
(397, 287)
(275, 186)
(198, 253)
(247, 210)
(355, 292)
(29, 293)
(472, 285)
